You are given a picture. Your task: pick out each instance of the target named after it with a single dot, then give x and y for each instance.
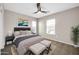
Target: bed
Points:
(22, 42)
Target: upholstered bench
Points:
(47, 43)
(37, 48)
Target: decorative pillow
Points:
(23, 32)
(17, 33)
(29, 32)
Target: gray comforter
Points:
(19, 39)
(22, 43)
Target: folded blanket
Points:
(19, 39)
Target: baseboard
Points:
(67, 43)
(51, 38)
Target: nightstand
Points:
(9, 39)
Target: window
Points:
(34, 26)
(50, 26)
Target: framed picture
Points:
(23, 22)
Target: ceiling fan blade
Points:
(44, 11)
(36, 12)
(38, 8)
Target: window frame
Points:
(35, 26)
(52, 26)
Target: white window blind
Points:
(50, 26)
(34, 26)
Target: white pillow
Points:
(23, 32)
(29, 32)
(17, 33)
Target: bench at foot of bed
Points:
(40, 48)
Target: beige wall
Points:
(11, 20)
(64, 21)
(2, 42)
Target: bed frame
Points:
(21, 28)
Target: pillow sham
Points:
(17, 33)
(29, 32)
(23, 32)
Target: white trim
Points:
(54, 39)
(66, 43)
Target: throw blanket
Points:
(18, 40)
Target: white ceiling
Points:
(30, 8)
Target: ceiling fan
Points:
(39, 9)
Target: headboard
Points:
(21, 28)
